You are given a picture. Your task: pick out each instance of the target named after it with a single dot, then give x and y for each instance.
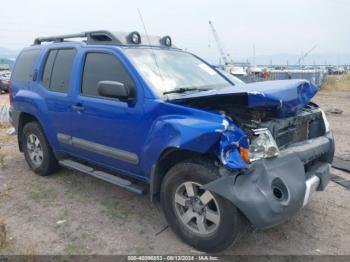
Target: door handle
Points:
(78, 107)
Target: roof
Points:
(110, 38)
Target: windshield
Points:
(169, 71)
(232, 78)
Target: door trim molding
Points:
(115, 153)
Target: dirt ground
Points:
(337, 83)
(71, 213)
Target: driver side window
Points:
(102, 67)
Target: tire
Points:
(40, 157)
(230, 224)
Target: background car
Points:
(5, 82)
(4, 85)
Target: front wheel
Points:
(199, 217)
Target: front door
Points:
(106, 131)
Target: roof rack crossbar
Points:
(59, 38)
(91, 36)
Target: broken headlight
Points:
(262, 145)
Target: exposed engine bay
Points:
(306, 124)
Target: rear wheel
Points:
(199, 217)
(37, 150)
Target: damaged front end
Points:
(236, 150)
(275, 157)
(288, 159)
(272, 190)
(232, 147)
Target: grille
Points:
(298, 129)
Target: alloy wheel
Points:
(35, 150)
(197, 208)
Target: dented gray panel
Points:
(252, 191)
(253, 195)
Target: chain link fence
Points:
(313, 75)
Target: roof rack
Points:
(110, 38)
(91, 37)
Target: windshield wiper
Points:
(183, 90)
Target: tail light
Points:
(10, 93)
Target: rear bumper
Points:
(274, 189)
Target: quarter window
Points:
(102, 67)
(24, 68)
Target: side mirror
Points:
(114, 89)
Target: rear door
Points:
(56, 79)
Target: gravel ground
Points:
(71, 213)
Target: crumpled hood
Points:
(283, 97)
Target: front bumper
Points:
(272, 190)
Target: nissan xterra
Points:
(142, 114)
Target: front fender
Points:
(186, 133)
(210, 134)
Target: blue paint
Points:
(228, 151)
(283, 97)
(152, 125)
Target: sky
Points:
(274, 27)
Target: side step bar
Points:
(126, 184)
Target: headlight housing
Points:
(325, 121)
(262, 145)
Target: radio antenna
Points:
(149, 43)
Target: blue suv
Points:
(144, 115)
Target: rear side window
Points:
(48, 68)
(24, 68)
(58, 69)
(102, 67)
